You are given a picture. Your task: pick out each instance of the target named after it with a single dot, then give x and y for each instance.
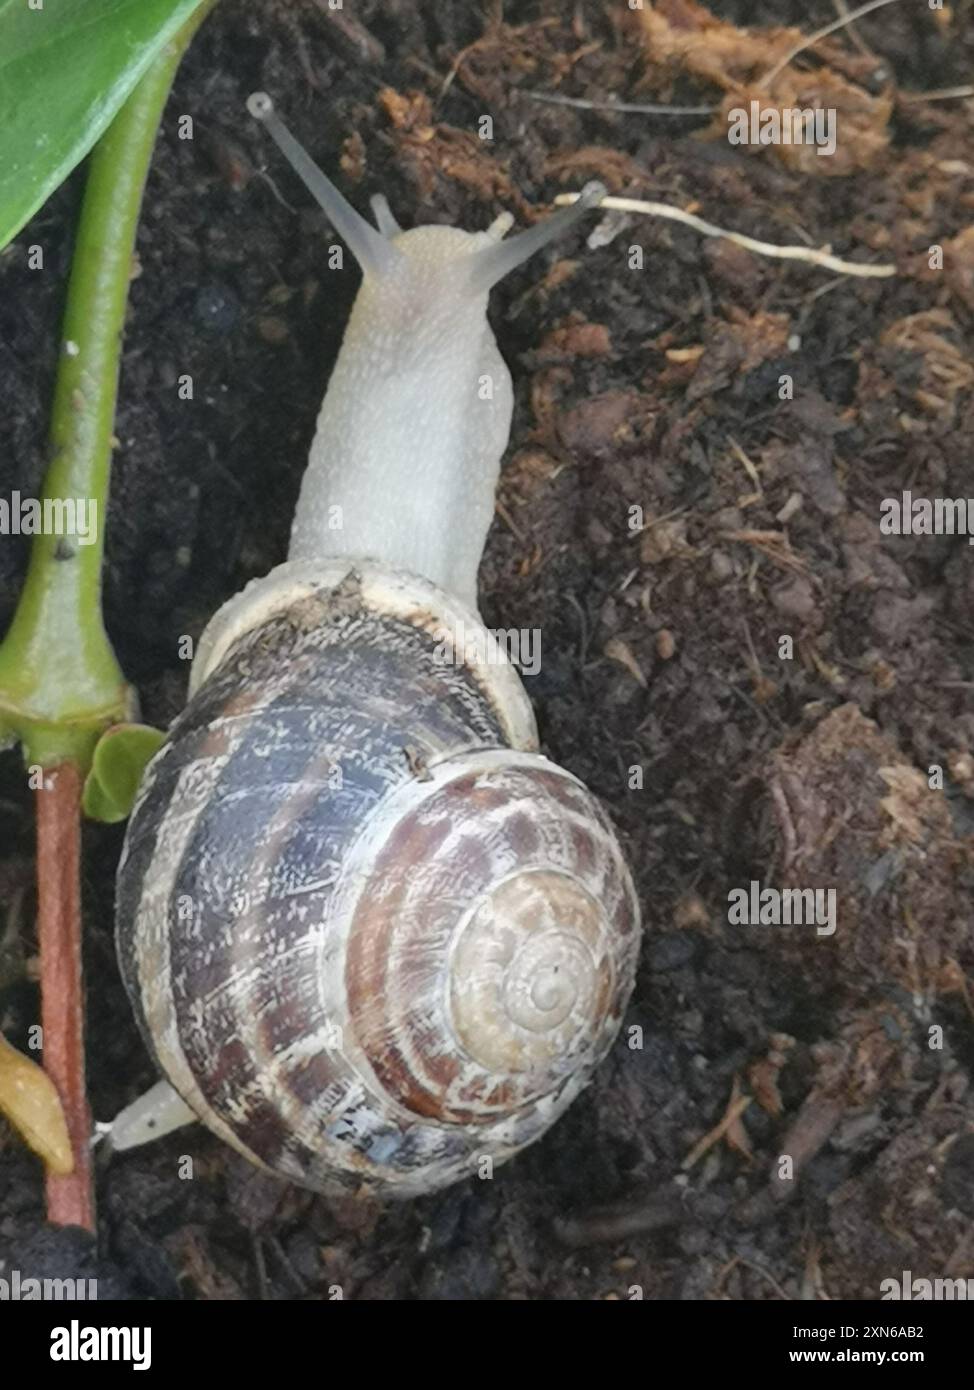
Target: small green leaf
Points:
(65, 69)
(120, 758)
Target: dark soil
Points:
(655, 388)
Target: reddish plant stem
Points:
(71, 1196)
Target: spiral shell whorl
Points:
(518, 878)
(527, 981)
(377, 981)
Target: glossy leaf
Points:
(120, 758)
(65, 69)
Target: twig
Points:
(601, 1225)
(762, 248)
(353, 41)
(508, 520)
(841, 8)
(582, 104)
(713, 1136)
(822, 33)
(736, 1260)
(70, 1196)
(940, 94)
(746, 463)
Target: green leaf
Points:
(120, 758)
(65, 69)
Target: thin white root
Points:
(651, 108)
(761, 248)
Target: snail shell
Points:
(372, 937)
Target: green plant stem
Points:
(60, 683)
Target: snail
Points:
(375, 940)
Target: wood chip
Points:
(617, 650)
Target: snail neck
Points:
(405, 460)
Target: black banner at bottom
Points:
(169, 1339)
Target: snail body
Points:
(406, 332)
(374, 940)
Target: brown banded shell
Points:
(368, 942)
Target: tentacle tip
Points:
(259, 105)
